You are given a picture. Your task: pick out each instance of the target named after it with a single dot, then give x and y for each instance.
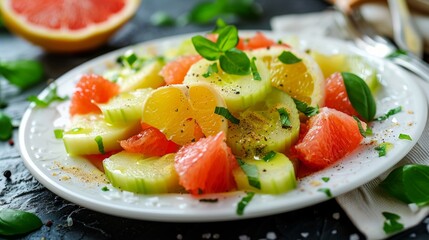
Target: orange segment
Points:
(67, 26)
(303, 80)
(182, 112)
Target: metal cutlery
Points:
(405, 33)
(367, 39)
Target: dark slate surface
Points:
(65, 220)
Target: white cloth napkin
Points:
(364, 205)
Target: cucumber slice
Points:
(79, 137)
(136, 173)
(239, 92)
(275, 176)
(146, 77)
(260, 129)
(126, 107)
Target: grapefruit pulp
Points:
(67, 25)
(331, 136)
(206, 166)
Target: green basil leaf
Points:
(15, 222)
(391, 223)
(235, 62)
(206, 48)
(244, 202)
(205, 12)
(287, 57)
(251, 172)
(325, 179)
(228, 38)
(360, 96)
(6, 127)
(408, 183)
(220, 24)
(22, 73)
(162, 19)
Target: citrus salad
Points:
(221, 113)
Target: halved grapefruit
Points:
(67, 25)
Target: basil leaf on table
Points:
(235, 62)
(22, 73)
(360, 96)
(6, 127)
(409, 183)
(15, 222)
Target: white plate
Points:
(78, 181)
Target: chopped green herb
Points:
(105, 189)
(408, 183)
(405, 137)
(6, 129)
(383, 148)
(287, 57)
(361, 130)
(17, 222)
(22, 73)
(212, 69)
(224, 112)
(325, 179)
(209, 200)
(244, 202)
(127, 59)
(391, 112)
(251, 172)
(99, 141)
(391, 223)
(305, 109)
(254, 69)
(58, 133)
(396, 54)
(51, 97)
(360, 95)
(327, 191)
(284, 118)
(270, 155)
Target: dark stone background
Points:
(70, 221)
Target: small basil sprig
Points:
(15, 222)
(360, 96)
(408, 183)
(6, 127)
(22, 73)
(231, 60)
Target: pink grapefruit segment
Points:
(206, 166)
(331, 136)
(336, 95)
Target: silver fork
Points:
(367, 39)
